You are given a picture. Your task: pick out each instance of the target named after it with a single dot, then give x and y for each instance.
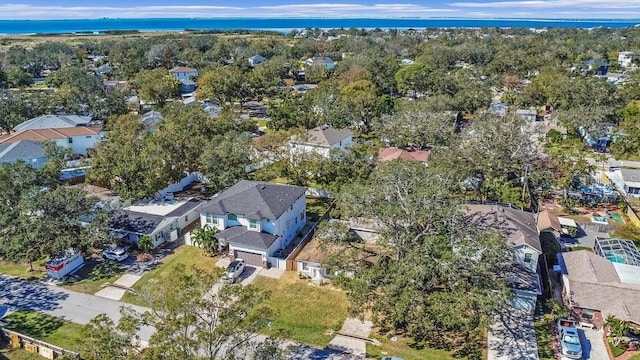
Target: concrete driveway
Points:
(593, 346)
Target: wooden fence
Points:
(49, 351)
(291, 259)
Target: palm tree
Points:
(204, 237)
(618, 329)
(145, 244)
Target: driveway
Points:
(593, 346)
(512, 336)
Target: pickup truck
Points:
(569, 339)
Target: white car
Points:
(116, 254)
(234, 270)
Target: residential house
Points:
(405, 62)
(53, 122)
(185, 75)
(320, 140)
(393, 153)
(79, 139)
(528, 115)
(151, 120)
(520, 230)
(325, 61)
(103, 70)
(257, 60)
(594, 287)
(163, 220)
(625, 58)
(548, 222)
(499, 108)
(257, 220)
(311, 261)
(31, 152)
(598, 67)
(112, 85)
(627, 181)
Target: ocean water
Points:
(284, 25)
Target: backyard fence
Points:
(49, 351)
(291, 259)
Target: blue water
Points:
(284, 25)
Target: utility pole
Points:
(525, 180)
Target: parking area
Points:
(593, 346)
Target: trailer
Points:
(64, 264)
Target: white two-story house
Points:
(320, 140)
(256, 219)
(79, 138)
(521, 232)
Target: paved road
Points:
(56, 301)
(81, 308)
(611, 162)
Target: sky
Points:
(540, 9)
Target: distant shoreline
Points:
(284, 25)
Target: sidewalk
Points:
(117, 292)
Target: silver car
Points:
(116, 254)
(234, 270)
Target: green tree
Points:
(414, 77)
(437, 279)
(102, 339)
(145, 243)
(157, 86)
(627, 142)
(225, 85)
(205, 238)
(226, 163)
(414, 125)
(362, 100)
(19, 78)
(290, 112)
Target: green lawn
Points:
(403, 348)
(94, 275)
(45, 328)
(21, 270)
(316, 207)
(186, 255)
(635, 357)
(18, 354)
(305, 313)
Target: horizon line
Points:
(227, 17)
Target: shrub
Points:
(616, 350)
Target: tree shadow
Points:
(20, 294)
(33, 323)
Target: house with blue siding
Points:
(31, 152)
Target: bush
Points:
(617, 350)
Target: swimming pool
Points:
(617, 259)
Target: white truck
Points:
(569, 339)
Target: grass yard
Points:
(403, 348)
(635, 357)
(316, 207)
(21, 270)
(17, 354)
(186, 255)
(305, 313)
(94, 275)
(45, 328)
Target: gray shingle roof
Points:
(53, 122)
(255, 200)
(241, 235)
(323, 135)
(630, 175)
(518, 226)
(21, 150)
(135, 222)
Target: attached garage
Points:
(250, 258)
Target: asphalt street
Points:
(81, 308)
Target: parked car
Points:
(234, 270)
(391, 358)
(569, 339)
(116, 254)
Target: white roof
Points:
(627, 273)
(161, 208)
(567, 222)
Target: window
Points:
(233, 217)
(528, 257)
(210, 219)
(186, 218)
(70, 140)
(88, 136)
(302, 216)
(305, 266)
(253, 224)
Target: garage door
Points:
(250, 258)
